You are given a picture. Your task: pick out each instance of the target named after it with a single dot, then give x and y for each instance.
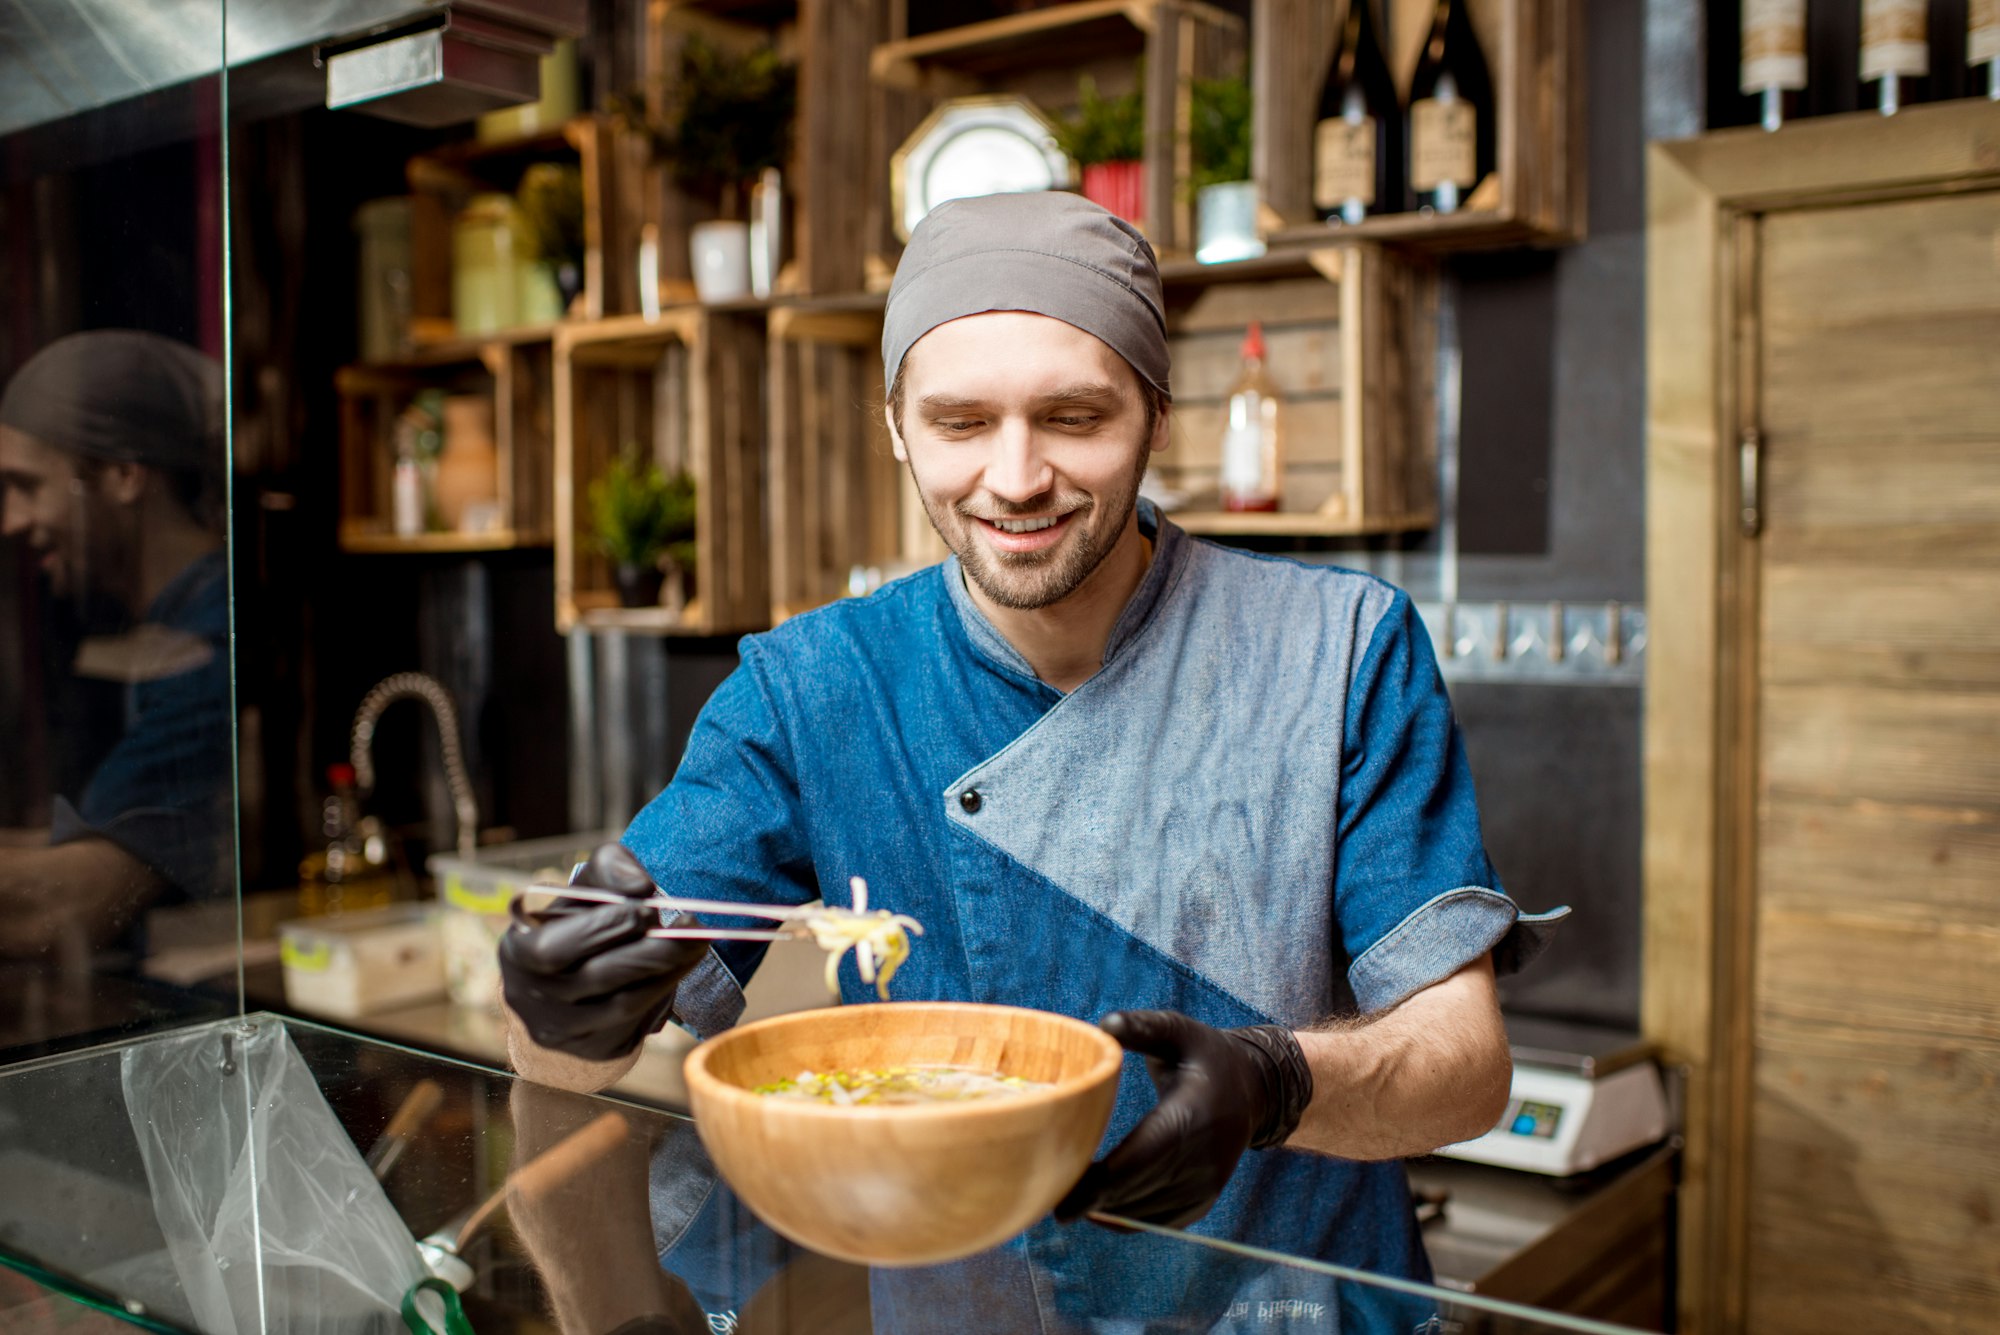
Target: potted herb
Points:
(1225, 196)
(550, 197)
(1106, 137)
(643, 521)
(727, 121)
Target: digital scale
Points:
(1582, 1096)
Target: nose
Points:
(1018, 470)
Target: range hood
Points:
(426, 62)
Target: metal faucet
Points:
(419, 686)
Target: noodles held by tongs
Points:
(879, 939)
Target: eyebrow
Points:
(1084, 391)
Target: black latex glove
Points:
(584, 977)
(1222, 1091)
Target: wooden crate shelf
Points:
(824, 210)
(1349, 346)
(366, 540)
(1040, 55)
(1535, 196)
(686, 391)
(515, 372)
(442, 181)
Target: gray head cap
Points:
(118, 394)
(1050, 253)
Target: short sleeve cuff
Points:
(1442, 937)
(709, 1000)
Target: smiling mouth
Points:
(1027, 525)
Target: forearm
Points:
(82, 892)
(1433, 1071)
(591, 1236)
(546, 1066)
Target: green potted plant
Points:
(1225, 196)
(550, 197)
(1106, 138)
(726, 123)
(643, 521)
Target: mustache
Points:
(998, 509)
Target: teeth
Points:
(1024, 525)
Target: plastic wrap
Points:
(274, 1222)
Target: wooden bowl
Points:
(904, 1184)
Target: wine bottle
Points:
(1894, 50)
(1451, 113)
(1774, 54)
(1982, 42)
(1358, 138)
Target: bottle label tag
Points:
(1443, 143)
(1892, 39)
(1774, 44)
(1983, 32)
(1343, 162)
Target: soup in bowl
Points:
(904, 1133)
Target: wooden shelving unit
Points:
(443, 180)
(1535, 195)
(514, 369)
(1348, 333)
(774, 404)
(687, 391)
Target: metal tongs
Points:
(793, 919)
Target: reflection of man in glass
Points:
(110, 448)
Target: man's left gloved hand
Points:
(1222, 1091)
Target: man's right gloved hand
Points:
(586, 979)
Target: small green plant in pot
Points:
(1106, 138)
(727, 117)
(643, 521)
(1225, 196)
(727, 121)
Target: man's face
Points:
(76, 520)
(1027, 439)
(44, 503)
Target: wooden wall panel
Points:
(1874, 1155)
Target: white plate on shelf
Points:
(989, 145)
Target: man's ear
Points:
(1162, 427)
(895, 434)
(123, 481)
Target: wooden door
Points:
(1872, 1196)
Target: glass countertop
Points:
(127, 1198)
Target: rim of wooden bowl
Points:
(1110, 1057)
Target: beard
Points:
(1028, 581)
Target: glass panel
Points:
(142, 1202)
(117, 801)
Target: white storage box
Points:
(474, 893)
(359, 963)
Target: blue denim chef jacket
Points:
(1257, 811)
(162, 793)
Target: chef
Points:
(1214, 800)
(111, 443)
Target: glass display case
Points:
(260, 1173)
